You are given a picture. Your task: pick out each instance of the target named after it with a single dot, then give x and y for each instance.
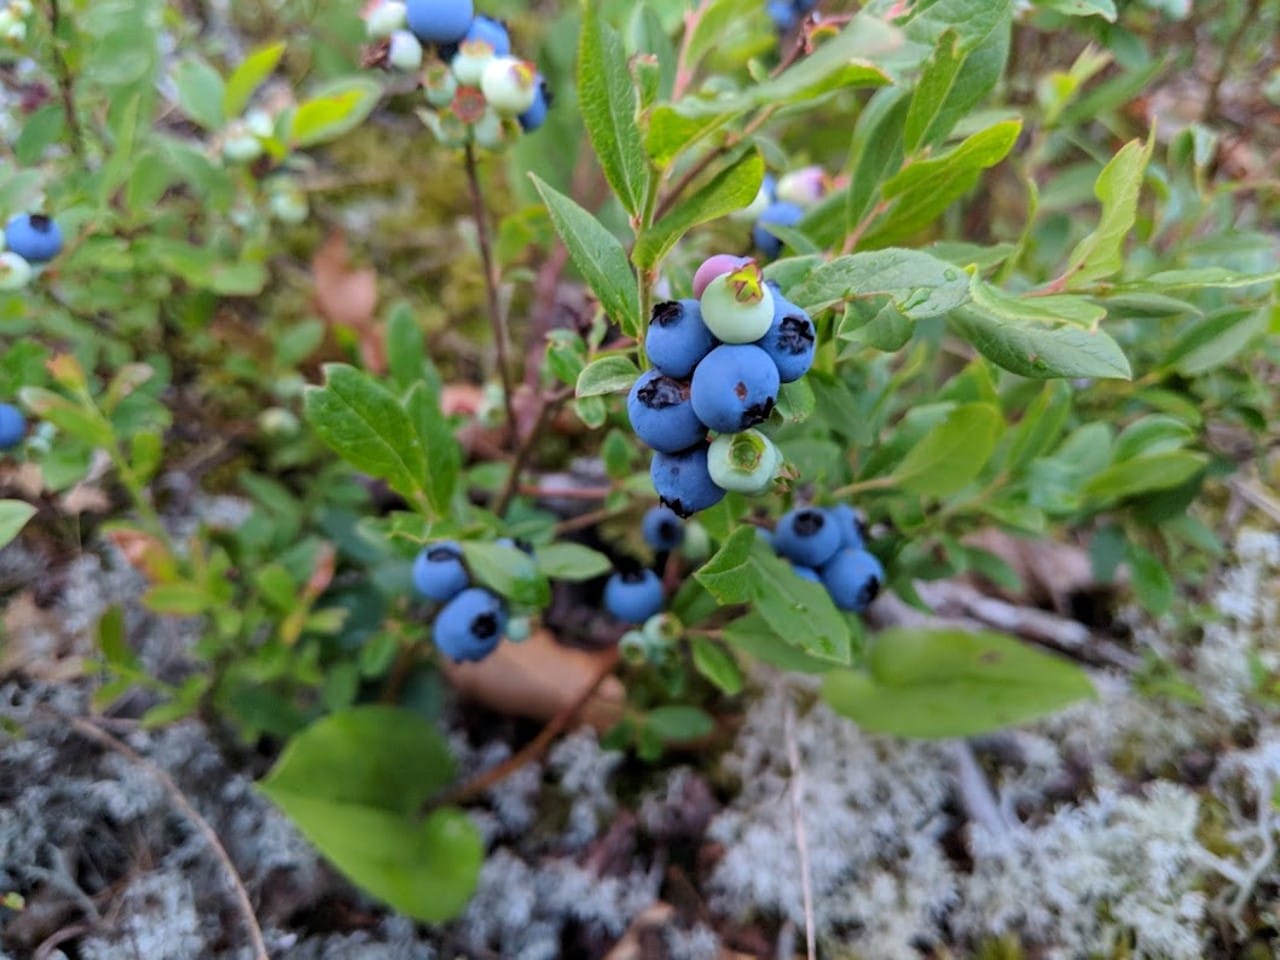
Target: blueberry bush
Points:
(702, 335)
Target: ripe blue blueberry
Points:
(846, 519)
(790, 340)
(493, 32)
(633, 596)
(13, 426)
(536, 115)
(661, 413)
(677, 337)
(33, 236)
(782, 15)
(853, 578)
(734, 388)
(781, 213)
(438, 573)
(470, 625)
(440, 21)
(683, 482)
(807, 536)
(662, 529)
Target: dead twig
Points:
(240, 894)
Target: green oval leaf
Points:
(611, 374)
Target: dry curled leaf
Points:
(538, 678)
(347, 296)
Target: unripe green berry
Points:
(239, 145)
(737, 307)
(288, 204)
(15, 272)
(510, 85)
(279, 422)
(489, 132)
(697, 542)
(385, 19)
(405, 51)
(663, 628)
(469, 62)
(259, 123)
(634, 647)
(519, 629)
(743, 462)
(439, 84)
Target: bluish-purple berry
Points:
(791, 339)
(662, 529)
(438, 573)
(734, 388)
(33, 236)
(677, 337)
(853, 578)
(633, 596)
(807, 536)
(806, 573)
(847, 523)
(780, 213)
(683, 482)
(440, 21)
(536, 115)
(470, 625)
(493, 32)
(661, 413)
(13, 426)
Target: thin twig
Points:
(241, 895)
(534, 749)
(550, 404)
(708, 158)
(497, 320)
(797, 819)
(975, 792)
(66, 87)
(584, 520)
(1247, 21)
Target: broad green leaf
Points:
(177, 599)
(508, 571)
(332, 111)
(354, 783)
(753, 635)
(922, 190)
(571, 561)
(363, 423)
(1081, 8)
(1152, 583)
(1154, 433)
(801, 611)
(973, 20)
(607, 101)
(677, 723)
(598, 256)
(950, 683)
(1101, 253)
(940, 73)
(1039, 352)
(1211, 342)
(1053, 309)
(610, 374)
(1159, 471)
(200, 92)
(876, 323)
(247, 77)
(1193, 278)
(731, 189)
(919, 285)
(442, 456)
(14, 515)
(717, 665)
(85, 424)
(1041, 425)
(983, 67)
(876, 150)
(952, 454)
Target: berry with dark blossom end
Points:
(661, 413)
(734, 388)
(470, 626)
(807, 536)
(13, 426)
(438, 573)
(33, 236)
(633, 596)
(853, 578)
(677, 337)
(683, 482)
(662, 529)
(791, 339)
(440, 21)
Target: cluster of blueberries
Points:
(828, 547)
(785, 14)
(635, 595)
(13, 21)
(783, 201)
(472, 620)
(719, 359)
(30, 240)
(481, 93)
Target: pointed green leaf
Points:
(952, 454)
(571, 561)
(248, 76)
(1101, 253)
(14, 515)
(335, 109)
(1040, 352)
(611, 374)
(919, 285)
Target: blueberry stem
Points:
(497, 320)
(66, 88)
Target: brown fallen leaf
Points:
(347, 296)
(35, 644)
(538, 678)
